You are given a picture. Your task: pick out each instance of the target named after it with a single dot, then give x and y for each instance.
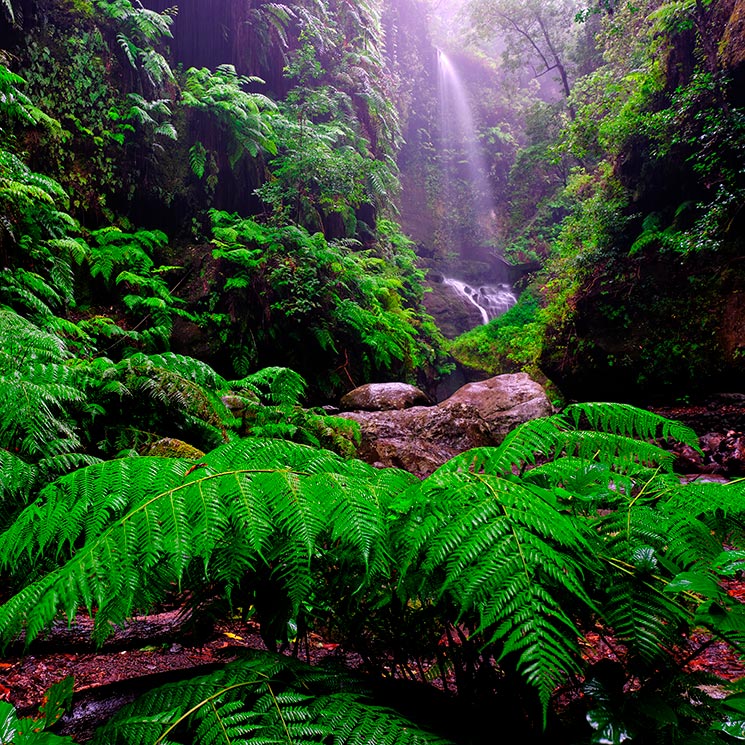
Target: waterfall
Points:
(466, 192)
(460, 148)
(491, 300)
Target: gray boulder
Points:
(421, 438)
(383, 397)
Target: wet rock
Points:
(724, 453)
(503, 401)
(453, 314)
(721, 453)
(421, 438)
(383, 397)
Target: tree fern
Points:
(262, 699)
(509, 558)
(248, 506)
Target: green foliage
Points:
(40, 385)
(347, 310)
(237, 515)
(239, 114)
(114, 250)
(511, 341)
(32, 730)
(576, 523)
(139, 31)
(323, 170)
(262, 699)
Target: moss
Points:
(169, 447)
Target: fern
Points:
(521, 559)
(220, 94)
(197, 159)
(280, 385)
(505, 554)
(32, 730)
(38, 388)
(262, 699)
(614, 436)
(249, 505)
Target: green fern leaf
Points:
(261, 700)
(197, 159)
(127, 530)
(503, 551)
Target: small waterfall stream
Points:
(461, 151)
(468, 204)
(491, 300)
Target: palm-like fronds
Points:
(261, 700)
(509, 559)
(246, 506)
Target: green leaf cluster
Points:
(331, 303)
(576, 525)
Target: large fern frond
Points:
(613, 444)
(262, 700)
(508, 557)
(246, 505)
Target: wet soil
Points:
(150, 651)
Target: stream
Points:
(491, 300)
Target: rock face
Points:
(732, 45)
(421, 438)
(383, 397)
(453, 315)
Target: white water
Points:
(459, 137)
(491, 300)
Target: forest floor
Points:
(150, 651)
(159, 648)
(154, 650)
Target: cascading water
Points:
(466, 187)
(466, 192)
(491, 300)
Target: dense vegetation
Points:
(629, 188)
(198, 234)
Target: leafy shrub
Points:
(320, 307)
(575, 525)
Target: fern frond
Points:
(279, 385)
(182, 382)
(618, 440)
(261, 700)
(629, 421)
(128, 529)
(504, 553)
(197, 159)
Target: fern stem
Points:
(209, 700)
(279, 712)
(638, 497)
(219, 720)
(512, 528)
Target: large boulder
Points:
(422, 438)
(383, 397)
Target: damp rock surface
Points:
(383, 397)
(421, 438)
